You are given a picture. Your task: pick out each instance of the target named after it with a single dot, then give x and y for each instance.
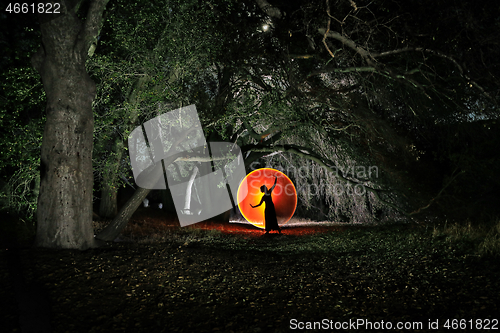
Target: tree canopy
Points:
(338, 88)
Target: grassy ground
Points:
(163, 278)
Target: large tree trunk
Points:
(64, 216)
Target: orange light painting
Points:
(284, 196)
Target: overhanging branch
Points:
(305, 153)
(349, 43)
(441, 55)
(93, 25)
(269, 9)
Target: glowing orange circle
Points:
(284, 196)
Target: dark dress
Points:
(271, 221)
(270, 213)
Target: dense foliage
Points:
(408, 88)
(22, 101)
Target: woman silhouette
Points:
(270, 219)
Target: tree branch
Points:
(438, 195)
(93, 25)
(269, 9)
(304, 153)
(442, 55)
(349, 43)
(343, 70)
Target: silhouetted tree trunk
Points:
(120, 222)
(151, 177)
(108, 207)
(64, 216)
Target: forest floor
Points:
(233, 278)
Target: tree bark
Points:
(64, 215)
(108, 207)
(112, 231)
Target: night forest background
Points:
(324, 90)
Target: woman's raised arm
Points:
(275, 181)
